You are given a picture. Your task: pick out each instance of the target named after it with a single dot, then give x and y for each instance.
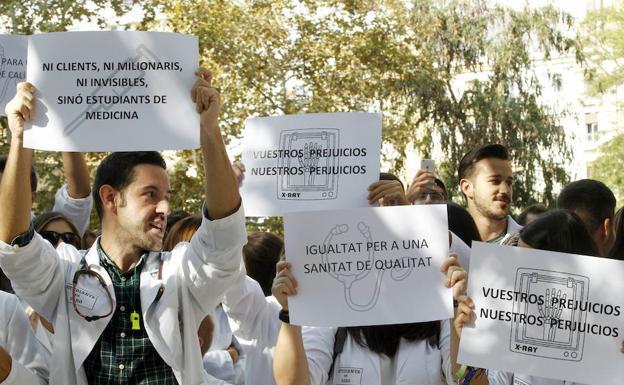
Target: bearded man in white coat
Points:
(125, 312)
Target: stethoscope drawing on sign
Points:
(349, 279)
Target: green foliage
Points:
(504, 105)
(187, 190)
(400, 58)
(608, 167)
(603, 42)
(31, 16)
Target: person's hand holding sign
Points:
(221, 200)
(17, 198)
(291, 368)
(239, 172)
(284, 284)
(21, 109)
(457, 279)
(456, 276)
(207, 100)
(387, 193)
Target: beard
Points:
(142, 237)
(150, 244)
(488, 209)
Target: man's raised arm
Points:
(77, 174)
(74, 199)
(222, 196)
(15, 194)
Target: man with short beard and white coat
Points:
(163, 297)
(486, 179)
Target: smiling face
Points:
(489, 188)
(142, 208)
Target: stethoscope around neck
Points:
(85, 269)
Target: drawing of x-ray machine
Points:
(549, 340)
(142, 54)
(309, 184)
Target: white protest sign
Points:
(546, 314)
(368, 266)
(310, 162)
(113, 91)
(13, 51)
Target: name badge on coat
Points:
(348, 376)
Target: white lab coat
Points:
(30, 359)
(217, 360)
(496, 377)
(194, 276)
(77, 210)
(417, 363)
(255, 323)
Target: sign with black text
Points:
(113, 91)
(544, 313)
(368, 266)
(310, 162)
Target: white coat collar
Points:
(512, 226)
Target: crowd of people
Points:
(164, 297)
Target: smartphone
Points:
(428, 165)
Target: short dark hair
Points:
(261, 253)
(466, 164)
(590, 199)
(534, 209)
(559, 230)
(390, 176)
(117, 171)
(33, 175)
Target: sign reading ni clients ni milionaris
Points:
(545, 314)
(113, 91)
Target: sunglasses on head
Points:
(53, 237)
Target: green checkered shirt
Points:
(123, 355)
